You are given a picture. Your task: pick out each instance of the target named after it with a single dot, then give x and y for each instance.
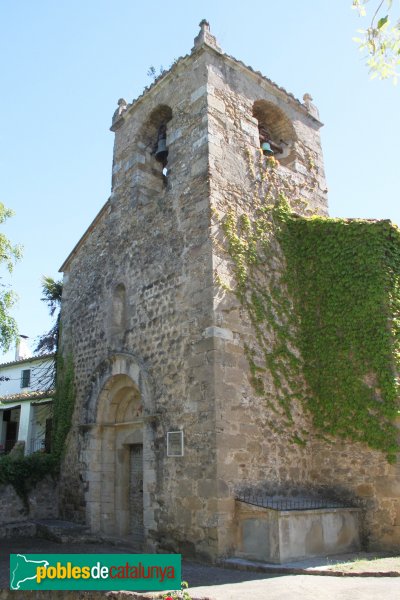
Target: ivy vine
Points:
(24, 472)
(344, 276)
(64, 402)
(323, 298)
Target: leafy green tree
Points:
(52, 292)
(9, 254)
(381, 40)
(45, 375)
(61, 376)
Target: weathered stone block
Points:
(389, 488)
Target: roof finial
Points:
(205, 37)
(118, 119)
(312, 109)
(204, 24)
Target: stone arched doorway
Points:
(121, 458)
(116, 433)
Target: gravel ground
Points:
(217, 583)
(373, 564)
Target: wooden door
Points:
(136, 493)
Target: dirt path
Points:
(217, 583)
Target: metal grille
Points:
(294, 503)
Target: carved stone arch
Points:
(121, 363)
(153, 137)
(161, 115)
(280, 128)
(116, 444)
(119, 401)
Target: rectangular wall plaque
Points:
(175, 443)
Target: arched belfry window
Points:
(155, 135)
(275, 130)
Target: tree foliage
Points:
(9, 254)
(25, 472)
(381, 40)
(61, 375)
(46, 375)
(52, 292)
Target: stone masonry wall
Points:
(365, 478)
(153, 238)
(250, 453)
(42, 504)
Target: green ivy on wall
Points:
(323, 298)
(24, 472)
(344, 276)
(252, 247)
(64, 401)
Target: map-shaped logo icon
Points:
(24, 570)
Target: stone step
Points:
(57, 530)
(18, 529)
(128, 542)
(64, 532)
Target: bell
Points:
(266, 148)
(161, 153)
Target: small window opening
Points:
(275, 131)
(153, 136)
(25, 378)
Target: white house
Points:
(26, 389)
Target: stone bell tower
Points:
(166, 424)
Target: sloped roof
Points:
(23, 396)
(215, 48)
(26, 360)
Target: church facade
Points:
(168, 432)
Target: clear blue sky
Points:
(64, 65)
